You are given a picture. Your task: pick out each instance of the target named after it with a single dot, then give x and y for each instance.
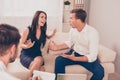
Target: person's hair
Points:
(9, 35)
(35, 24)
(80, 14)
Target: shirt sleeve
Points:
(93, 46)
(69, 43)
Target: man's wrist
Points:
(58, 47)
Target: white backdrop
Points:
(27, 8)
(105, 17)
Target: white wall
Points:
(18, 12)
(104, 15)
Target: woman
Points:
(33, 37)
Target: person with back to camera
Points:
(84, 41)
(33, 37)
(9, 40)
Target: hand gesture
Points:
(54, 32)
(53, 46)
(71, 57)
(29, 43)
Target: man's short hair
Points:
(9, 35)
(80, 14)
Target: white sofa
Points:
(106, 57)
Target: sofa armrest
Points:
(106, 55)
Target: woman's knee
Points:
(38, 59)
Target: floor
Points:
(114, 76)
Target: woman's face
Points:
(42, 19)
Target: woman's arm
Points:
(24, 38)
(24, 43)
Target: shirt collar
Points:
(2, 66)
(85, 28)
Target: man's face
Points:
(73, 20)
(14, 54)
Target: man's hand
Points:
(53, 46)
(71, 57)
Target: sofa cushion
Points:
(76, 69)
(108, 67)
(106, 54)
(49, 60)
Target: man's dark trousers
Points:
(94, 67)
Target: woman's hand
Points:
(29, 44)
(54, 32)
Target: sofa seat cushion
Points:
(49, 61)
(76, 69)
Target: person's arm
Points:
(24, 43)
(53, 46)
(93, 46)
(53, 33)
(74, 58)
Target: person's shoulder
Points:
(91, 28)
(91, 31)
(6, 76)
(26, 31)
(72, 30)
